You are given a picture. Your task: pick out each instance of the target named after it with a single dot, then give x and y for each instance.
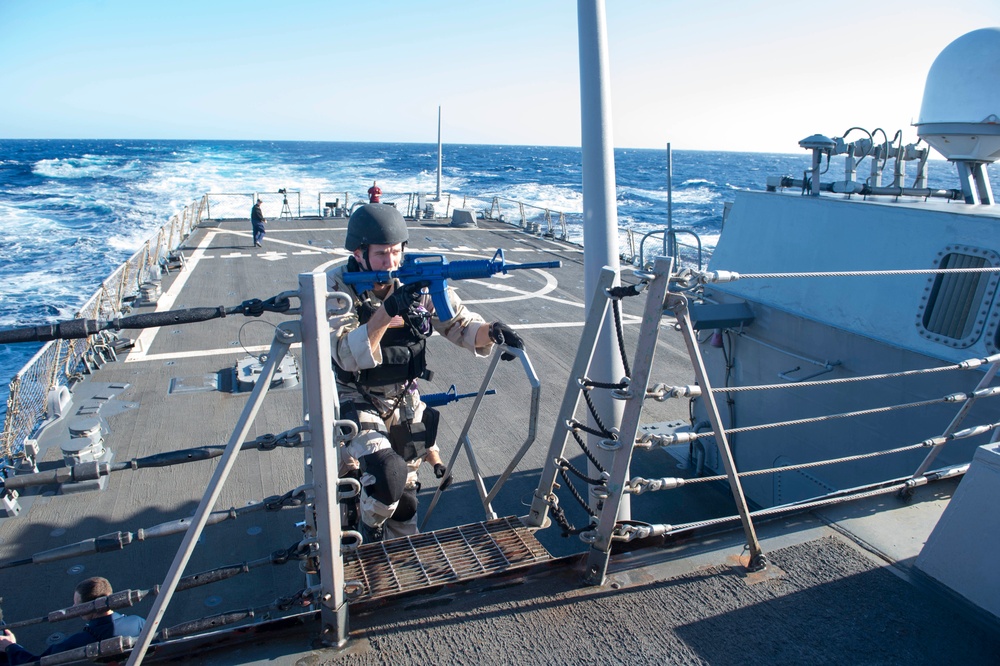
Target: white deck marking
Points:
(168, 298)
(550, 284)
(209, 352)
(307, 247)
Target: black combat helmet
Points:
(375, 224)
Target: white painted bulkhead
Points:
(857, 325)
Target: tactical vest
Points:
(403, 350)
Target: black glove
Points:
(439, 471)
(502, 334)
(402, 298)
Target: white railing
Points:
(59, 362)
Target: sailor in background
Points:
(257, 222)
(100, 626)
(379, 353)
(374, 192)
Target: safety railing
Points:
(62, 361)
(670, 292)
(320, 548)
(237, 205)
(464, 443)
(535, 219)
(32, 390)
(683, 244)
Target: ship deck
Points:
(834, 576)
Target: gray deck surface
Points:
(716, 624)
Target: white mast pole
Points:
(439, 155)
(600, 213)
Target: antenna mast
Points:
(439, 155)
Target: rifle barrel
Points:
(537, 264)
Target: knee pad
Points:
(389, 472)
(407, 507)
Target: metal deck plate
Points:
(446, 556)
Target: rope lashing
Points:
(616, 309)
(589, 383)
(567, 465)
(586, 451)
(604, 432)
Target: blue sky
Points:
(721, 75)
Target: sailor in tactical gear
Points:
(379, 354)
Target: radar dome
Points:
(960, 112)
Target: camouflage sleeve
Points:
(348, 338)
(349, 344)
(462, 328)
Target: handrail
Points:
(670, 244)
(465, 443)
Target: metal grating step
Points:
(445, 556)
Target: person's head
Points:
(259, 202)
(90, 589)
(377, 235)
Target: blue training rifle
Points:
(436, 270)
(438, 399)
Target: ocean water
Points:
(72, 210)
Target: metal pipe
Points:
(621, 457)
(679, 305)
(322, 403)
(439, 157)
(672, 247)
(600, 213)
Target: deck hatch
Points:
(954, 307)
(445, 556)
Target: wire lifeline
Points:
(732, 276)
(815, 419)
(792, 468)
(967, 364)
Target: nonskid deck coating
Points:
(827, 605)
(822, 602)
(224, 269)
